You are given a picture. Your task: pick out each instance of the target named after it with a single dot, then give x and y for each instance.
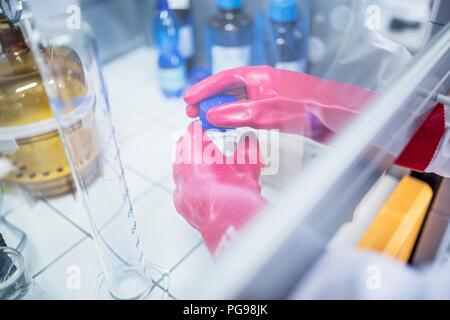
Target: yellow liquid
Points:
(40, 161)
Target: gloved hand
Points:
(215, 195)
(278, 99)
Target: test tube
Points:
(69, 66)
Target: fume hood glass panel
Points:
(332, 191)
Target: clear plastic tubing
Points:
(77, 95)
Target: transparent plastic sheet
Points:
(346, 47)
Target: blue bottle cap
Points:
(283, 10)
(210, 103)
(229, 4)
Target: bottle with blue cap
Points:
(289, 35)
(225, 139)
(186, 40)
(171, 65)
(230, 36)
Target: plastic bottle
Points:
(289, 32)
(186, 40)
(224, 139)
(230, 30)
(172, 67)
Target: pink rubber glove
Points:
(215, 197)
(278, 99)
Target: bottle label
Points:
(224, 58)
(172, 79)
(186, 43)
(297, 66)
(179, 4)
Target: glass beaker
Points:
(15, 281)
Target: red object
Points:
(420, 151)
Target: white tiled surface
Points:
(166, 236)
(58, 230)
(48, 233)
(182, 279)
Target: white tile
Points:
(49, 235)
(144, 58)
(71, 205)
(127, 121)
(167, 183)
(148, 99)
(72, 208)
(74, 276)
(167, 237)
(142, 93)
(137, 184)
(58, 280)
(182, 278)
(151, 153)
(129, 71)
(177, 111)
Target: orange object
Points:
(394, 231)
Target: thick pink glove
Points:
(278, 99)
(216, 195)
(284, 100)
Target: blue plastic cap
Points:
(283, 10)
(229, 4)
(162, 5)
(210, 103)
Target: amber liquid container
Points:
(28, 132)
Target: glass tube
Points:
(69, 65)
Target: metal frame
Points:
(283, 243)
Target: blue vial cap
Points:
(283, 10)
(229, 4)
(210, 103)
